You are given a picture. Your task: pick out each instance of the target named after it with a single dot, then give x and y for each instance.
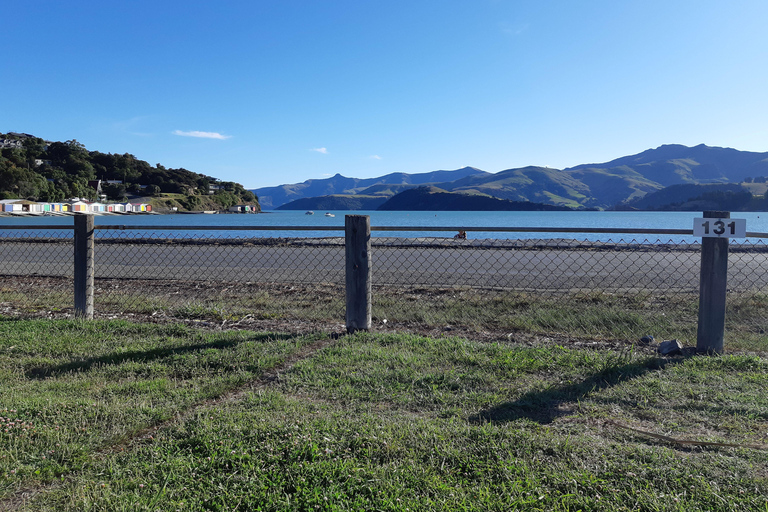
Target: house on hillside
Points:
(95, 185)
(10, 143)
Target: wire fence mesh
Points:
(606, 289)
(37, 272)
(747, 296)
(615, 289)
(205, 277)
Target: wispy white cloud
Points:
(321, 150)
(514, 29)
(202, 135)
(375, 157)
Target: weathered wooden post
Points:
(713, 283)
(84, 266)
(357, 231)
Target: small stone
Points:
(670, 348)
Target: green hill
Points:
(38, 170)
(432, 198)
(695, 197)
(336, 202)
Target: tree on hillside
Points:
(34, 148)
(115, 191)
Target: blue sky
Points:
(266, 92)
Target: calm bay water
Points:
(756, 222)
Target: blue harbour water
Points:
(175, 223)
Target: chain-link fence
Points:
(36, 270)
(219, 277)
(747, 294)
(611, 289)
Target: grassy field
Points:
(111, 415)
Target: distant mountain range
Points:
(384, 186)
(618, 183)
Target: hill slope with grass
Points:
(694, 197)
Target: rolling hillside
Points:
(618, 182)
(387, 186)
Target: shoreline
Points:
(481, 244)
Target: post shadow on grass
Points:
(48, 371)
(543, 406)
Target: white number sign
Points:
(720, 228)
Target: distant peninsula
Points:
(423, 198)
(336, 202)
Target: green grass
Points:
(598, 315)
(71, 388)
(370, 422)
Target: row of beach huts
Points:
(24, 207)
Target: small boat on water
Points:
(329, 214)
(310, 212)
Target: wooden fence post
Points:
(84, 266)
(713, 283)
(357, 248)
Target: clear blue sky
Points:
(266, 92)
